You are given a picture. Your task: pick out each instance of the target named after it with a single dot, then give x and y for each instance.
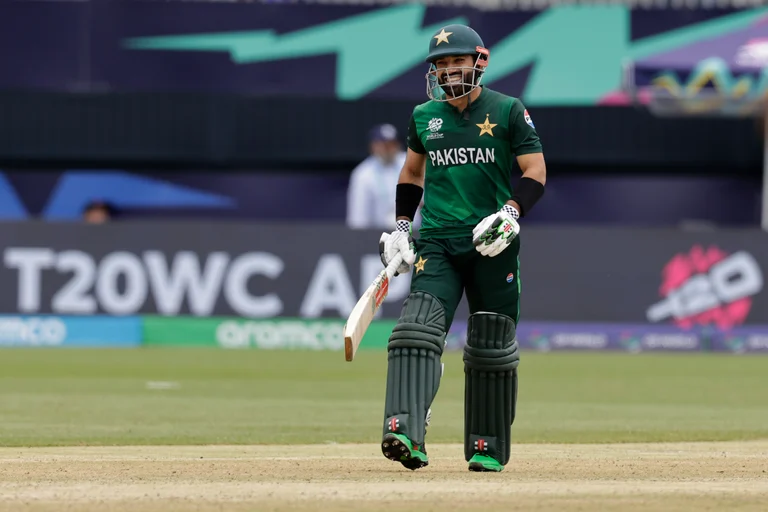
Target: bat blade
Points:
(362, 314)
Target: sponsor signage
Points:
(194, 269)
(705, 286)
(55, 331)
(633, 338)
(657, 277)
(238, 333)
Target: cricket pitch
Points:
(354, 477)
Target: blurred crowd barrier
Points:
(293, 284)
(609, 199)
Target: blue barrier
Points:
(627, 337)
(67, 331)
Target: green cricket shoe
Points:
(480, 462)
(399, 448)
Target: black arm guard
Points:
(407, 199)
(527, 192)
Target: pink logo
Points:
(707, 287)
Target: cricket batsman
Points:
(461, 145)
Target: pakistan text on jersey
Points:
(460, 156)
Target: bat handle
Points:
(392, 267)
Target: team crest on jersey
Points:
(528, 118)
(434, 126)
(487, 126)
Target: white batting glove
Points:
(399, 241)
(494, 233)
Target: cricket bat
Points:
(365, 309)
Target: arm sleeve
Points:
(357, 200)
(413, 140)
(522, 133)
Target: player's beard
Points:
(459, 87)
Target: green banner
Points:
(240, 333)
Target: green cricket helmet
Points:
(446, 83)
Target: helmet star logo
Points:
(486, 127)
(442, 37)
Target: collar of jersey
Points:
(473, 105)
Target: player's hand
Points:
(399, 241)
(494, 233)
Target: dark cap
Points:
(383, 132)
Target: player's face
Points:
(456, 74)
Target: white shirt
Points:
(371, 193)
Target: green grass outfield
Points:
(214, 396)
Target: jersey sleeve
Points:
(523, 137)
(413, 140)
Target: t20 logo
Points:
(708, 288)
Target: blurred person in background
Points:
(98, 212)
(372, 185)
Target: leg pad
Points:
(413, 376)
(491, 357)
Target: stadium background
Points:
(187, 354)
(226, 131)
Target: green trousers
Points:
(448, 267)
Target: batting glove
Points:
(399, 241)
(494, 233)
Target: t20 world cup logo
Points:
(707, 288)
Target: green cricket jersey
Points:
(469, 161)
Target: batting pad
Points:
(491, 357)
(414, 369)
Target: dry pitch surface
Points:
(626, 477)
